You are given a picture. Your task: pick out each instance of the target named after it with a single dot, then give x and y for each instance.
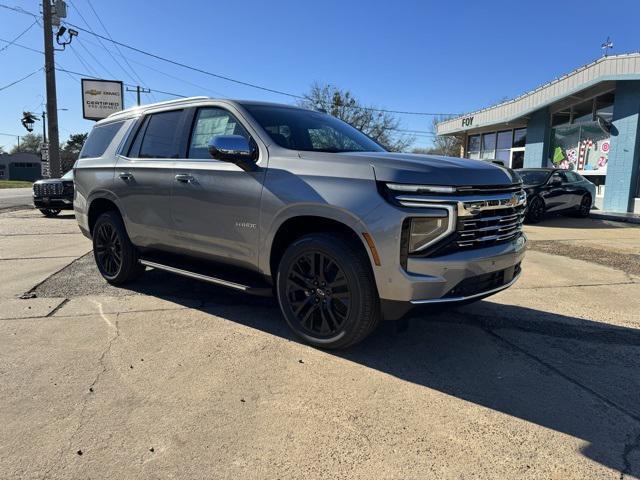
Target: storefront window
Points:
(503, 150)
(519, 137)
(488, 146)
(583, 146)
(473, 147)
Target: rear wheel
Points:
(115, 255)
(327, 292)
(585, 206)
(50, 212)
(535, 212)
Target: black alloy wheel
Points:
(585, 206)
(50, 212)
(318, 291)
(115, 255)
(326, 290)
(108, 249)
(535, 212)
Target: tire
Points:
(334, 304)
(585, 206)
(535, 211)
(50, 212)
(115, 255)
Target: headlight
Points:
(425, 231)
(402, 187)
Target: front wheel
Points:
(115, 255)
(50, 212)
(327, 292)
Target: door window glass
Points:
(473, 147)
(160, 136)
(209, 123)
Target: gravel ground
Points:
(628, 263)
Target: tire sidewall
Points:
(535, 219)
(329, 247)
(129, 266)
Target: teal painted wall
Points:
(624, 156)
(536, 151)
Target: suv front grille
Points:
(484, 216)
(47, 189)
(490, 227)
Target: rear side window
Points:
(99, 139)
(159, 140)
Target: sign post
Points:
(45, 167)
(101, 98)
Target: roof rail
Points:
(177, 101)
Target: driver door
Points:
(556, 196)
(215, 205)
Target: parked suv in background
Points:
(51, 195)
(267, 198)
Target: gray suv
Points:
(274, 199)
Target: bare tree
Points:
(448, 145)
(382, 127)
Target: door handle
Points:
(126, 176)
(184, 178)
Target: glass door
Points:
(517, 158)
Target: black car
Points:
(53, 195)
(556, 190)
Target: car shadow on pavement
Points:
(567, 374)
(570, 375)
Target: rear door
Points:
(216, 205)
(143, 178)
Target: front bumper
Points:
(57, 202)
(456, 278)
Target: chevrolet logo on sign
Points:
(92, 92)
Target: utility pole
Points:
(52, 100)
(138, 91)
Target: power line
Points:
(117, 47)
(229, 79)
(240, 82)
(20, 79)
(61, 69)
(19, 10)
(15, 44)
(18, 37)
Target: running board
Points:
(252, 290)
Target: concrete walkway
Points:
(171, 378)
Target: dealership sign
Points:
(101, 98)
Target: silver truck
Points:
(274, 199)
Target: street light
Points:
(28, 119)
(44, 122)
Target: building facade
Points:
(20, 166)
(587, 121)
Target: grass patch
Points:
(14, 184)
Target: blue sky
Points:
(403, 55)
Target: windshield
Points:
(299, 129)
(68, 175)
(533, 177)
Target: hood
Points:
(435, 170)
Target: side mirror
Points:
(234, 149)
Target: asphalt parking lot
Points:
(175, 379)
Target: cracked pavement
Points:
(172, 378)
